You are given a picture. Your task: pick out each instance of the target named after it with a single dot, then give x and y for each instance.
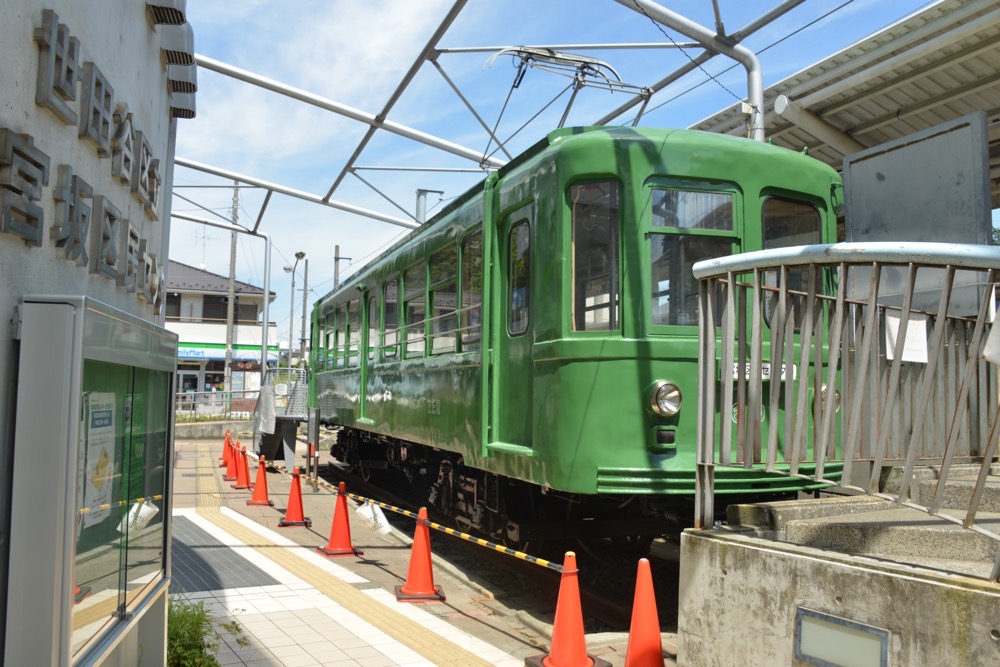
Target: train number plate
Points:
(765, 372)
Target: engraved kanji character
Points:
(104, 232)
(97, 105)
(58, 67)
(140, 167)
(128, 257)
(123, 145)
(145, 276)
(72, 215)
(23, 171)
(154, 182)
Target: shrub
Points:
(193, 635)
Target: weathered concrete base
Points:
(241, 430)
(739, 595)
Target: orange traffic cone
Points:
(260, 486)
(225, 450)
(242, 470)
(419, 586)
(644, 646)
(569, 643)
(79, 593)
(231, 465)
(340, 531)
(293, 513)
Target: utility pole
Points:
(228, 381)
(305, 291)
(336, 266)
(422, 203)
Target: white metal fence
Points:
(215, 404)
(833, 356)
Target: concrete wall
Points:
(116, 37)
(739, 596)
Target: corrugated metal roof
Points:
(183, 277)
(932, 66)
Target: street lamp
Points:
(291, 306)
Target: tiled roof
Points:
(183, 277)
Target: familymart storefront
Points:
(201, 367)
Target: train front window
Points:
(594, 208)
(687, 209)
(784, 224)
(688, 227)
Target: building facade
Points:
(196, 306)
(90, 97)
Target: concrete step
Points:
(958, 488)
(902, 534)
(958, 493)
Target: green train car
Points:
(530, 354)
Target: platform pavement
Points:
(298, 608)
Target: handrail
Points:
(893, 362)
(959, 255)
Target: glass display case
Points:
(94, 410)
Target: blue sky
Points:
(356, 51)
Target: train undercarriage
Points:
(502, 509)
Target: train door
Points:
(513, 367)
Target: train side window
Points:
(341, 337)
(594, 209)
(354, 333)
(688, 226)
(330, 330)
(443, 295)
(518, 299)
(472, 288)
(415, 282)
(786, 223)
(391, 341)
(373, 326)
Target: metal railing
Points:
(193, 405)
(291, 391)
(878, 353)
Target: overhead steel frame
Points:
(714, 43)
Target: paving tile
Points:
(376, 661)
(288, 651)
(304, 660)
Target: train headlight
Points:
(665, 399)
(836, 398)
